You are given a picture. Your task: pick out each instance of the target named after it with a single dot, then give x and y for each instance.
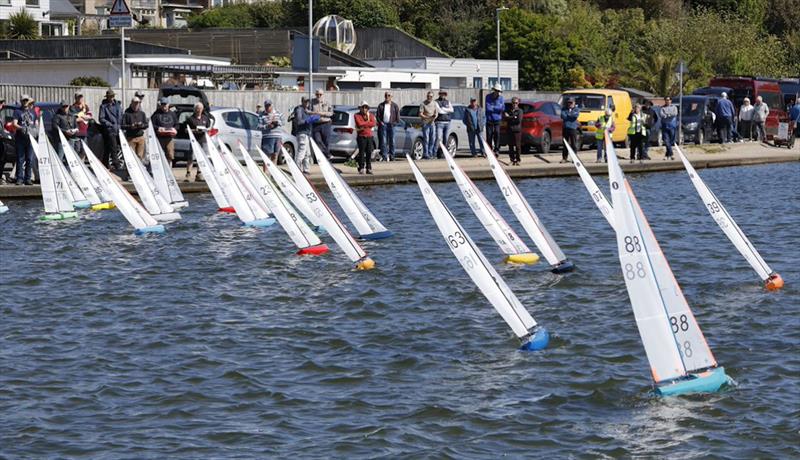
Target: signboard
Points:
(120, 15)
(783, 131)
(300, 53)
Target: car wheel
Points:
(452, 144)
(289, 151)
(417, 150)
(544, 144)
(700, 137)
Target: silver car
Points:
(237, 125)
(458, 130)
(342, 143)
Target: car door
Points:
(401, 137)
(553, 112)
(235, 129)
(253, 133)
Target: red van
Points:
(751, 87)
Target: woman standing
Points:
(199, 123)
(637, 133)
(365, 121)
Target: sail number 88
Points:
(632, 272)
(677, 324)
(632, 244)
(456, 239)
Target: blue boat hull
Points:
(537, 341)
(376, 235)
(153, 229)
(260, 222)
(709, 381)
(565, 266)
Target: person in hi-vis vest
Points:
(603, 124)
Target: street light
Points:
(680, 71)
(497, 14)
(310, 49)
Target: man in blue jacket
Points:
(111, 120)
(495, 106)
(572, 132)
(724, 114)
(302, 125)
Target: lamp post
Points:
(680, 70)
(497, 14)
(310, 49)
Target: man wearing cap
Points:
(110, 121)
(495, 106)
(270, 122)
(428, 111)
(134, 122)
(25, 122)
(64, 122)
(83, 115)
(474, 121)
(140, 94)
(572, 132)
(165, 124)
(387, 115)
(365, 121)
(322, 128)
(302, 125)
(442, 121)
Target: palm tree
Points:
(22, 25)
(655, 72)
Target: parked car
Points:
(697, 119)
(790, 87)
(236, 125)
(458, 130)
(752, 87)
(592, 103)
(342, 143)
(182, 100)
(542, 126)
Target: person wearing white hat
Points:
(365, 121)
(495, 106)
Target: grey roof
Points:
(103, 47)
(63, 9)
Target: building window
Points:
(505, 83)
(31, 2)
(52, 29)
(5, 2)
(477, 82)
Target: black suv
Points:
(182, 100)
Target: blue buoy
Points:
(537, 341)
(376, 235)
(260, 222)
(709, 381)
(565, 266)
(153, 229)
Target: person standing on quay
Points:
(724, 112)
(83, 115)
(637, 133)
(198, 124)
(604, 126)
(64, 122)
(474, 121)
(134, 122)
(428, 111)
(495, 106)
(387, 115)
(270, 123)
(365, 121)
(2, 146)
(110, 121)
(442, 121)
(25, 122)
(669, 123)
(302, 125)
(760, 113)
(321, 130)
(165, 124)
(514, 122)
(572, 132)
(649, 124)
(746, 119)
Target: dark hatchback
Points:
(697, 118)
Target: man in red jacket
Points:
(365, 121)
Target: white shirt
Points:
(746, 113)
(387, 112)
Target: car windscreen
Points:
(340, 118)
(409, 111)
(589, 101)
(773, 100)
(183, 99)
(691, 108)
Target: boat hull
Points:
(152, 229)
(3, 209)
(564, 267)
(709, 381)
(527, 258)
(376, 235)
(537, 341)
(260, 222)
(59, 216)
(317, 250)
(103, 206)
(229, 209)
(167, 217)
(82, 204)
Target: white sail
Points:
(55, 193)
(726, 222)
(251, 196)
(61, 174)
(287, 217)
(358, 213)
(207, 169)
(290, 190)
(524, 213)
(78, 171)
(474, 263)
(597, 195)
(162, 172)
(492, 221)
(3, 208)
(672, 340)
(133, 212)
(320, 209)
(152, 200)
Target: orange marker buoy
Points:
(774, 282)
(365, 264)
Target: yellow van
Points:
(593, 103)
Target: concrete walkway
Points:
(705, 156)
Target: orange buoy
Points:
(365, 264)
(774, 282)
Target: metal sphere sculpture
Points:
(336, 32)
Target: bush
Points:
(88, 80)
(22, 26)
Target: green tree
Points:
(231, 16)
(22, 25)
(88, 80)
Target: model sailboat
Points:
(480, 270)
(153, 201)
(84, 178)
(597, 195)
(55, 192)
(163, 178)
(208, 171)
(680, 358)
(513, 247)
(772, 280)
(248, 207)
(290, 191)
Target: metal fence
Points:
(283, 101)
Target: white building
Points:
(40, 10)
(456, 72)
(385, 78)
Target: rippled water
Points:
(214, 340)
